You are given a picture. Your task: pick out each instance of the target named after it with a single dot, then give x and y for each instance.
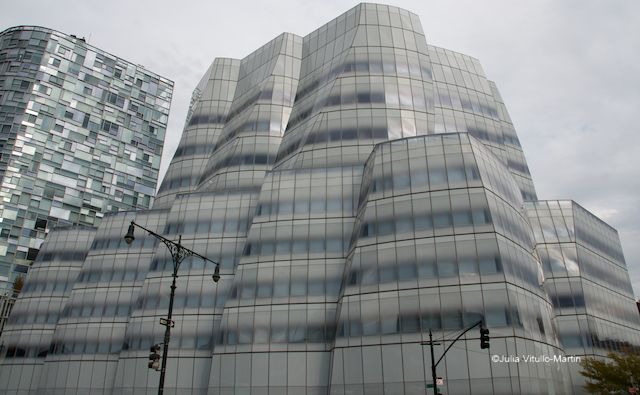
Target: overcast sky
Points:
(569, 72)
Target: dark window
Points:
(41, 223)
(32, 254)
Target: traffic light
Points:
(484, 338)
(154, 357)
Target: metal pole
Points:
(433, 366)
(167, 331)
(424, 368)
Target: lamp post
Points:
(178, 254)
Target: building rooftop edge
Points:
(49, 30)
(573, 204)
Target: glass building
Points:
(81, 134)
(360, 188)
(586, 279)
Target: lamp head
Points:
(216, 274)
(129, 238)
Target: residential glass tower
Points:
(81, 134)
(360, 188)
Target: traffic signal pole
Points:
(484, 343)
(433, 366)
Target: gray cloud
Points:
(566, 70)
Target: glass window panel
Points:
(281, 288)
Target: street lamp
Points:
(178, 253)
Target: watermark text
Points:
(528, 358)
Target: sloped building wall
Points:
(207, 116)
(586, 279)
(441, 243)
(28, 337)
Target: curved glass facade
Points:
(28, 338)
(89, 334)
(465, 101)
(586, 279)
(441, 242)
(360, 188)
(207, 115)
